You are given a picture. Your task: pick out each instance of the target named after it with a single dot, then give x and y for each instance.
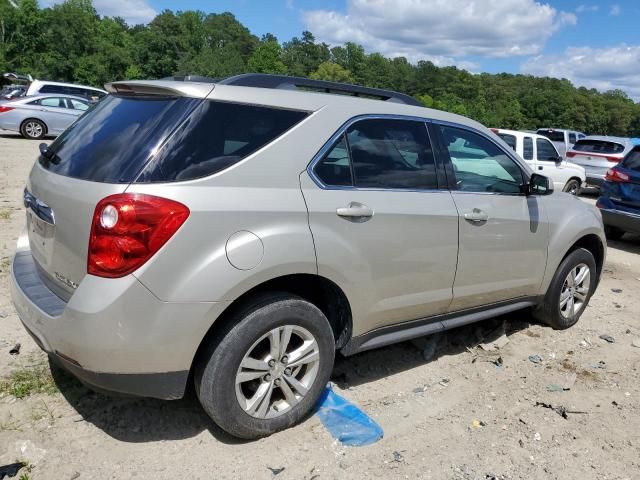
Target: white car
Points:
(542, 156)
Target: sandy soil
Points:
(426, 408)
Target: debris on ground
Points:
(616, 290)
(276, 471)
(3, 314)
(560, 410)
(535, 359)
(571, 380)
(537, 437)
(554, 387)
(11, 470)
(600, 364)
(636, 342)
(398, 457)
(15, 350)
(498, 362)
(478, 424)
(607, 338)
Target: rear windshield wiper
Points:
(48, 154)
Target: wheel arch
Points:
(316, 289)
(592, 243)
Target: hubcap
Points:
(277, 371)
(33, 129)
(575, 290)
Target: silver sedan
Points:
(40, 115)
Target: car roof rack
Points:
(191, 78)
(284, 82)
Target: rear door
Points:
(503, 233)
(382, 228)
(55, 113)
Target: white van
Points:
(541, 154)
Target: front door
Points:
(503, 233)
(382, 229)
(547, 163)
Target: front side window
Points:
(479, 164)
(53, 102)
(527, 148)
(546, 151)
(393, 154)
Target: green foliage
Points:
(332, 72)
(28, 381)
(69, 41)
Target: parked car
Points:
(42, 115)
(240, 232)
(562, 139)
(543, 158)
(12, 91)
(38, 87)
(620, 197)
(598, 154)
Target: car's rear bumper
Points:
(626, 220)
(113, 334)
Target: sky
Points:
(592, 43)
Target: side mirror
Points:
(540, 185)
(558, 159)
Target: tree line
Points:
(71, 42)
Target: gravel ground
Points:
(463, 414)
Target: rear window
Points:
(129, 138)
(632, 161)
(509, 140)
(598, 146)
(553, 135)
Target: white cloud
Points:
(587, 8)
(133, 11)
(441, 29)
(615, 10)
(601, 68)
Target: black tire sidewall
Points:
(552, 315)
(216, 378)
(567, 187)
(24, 125)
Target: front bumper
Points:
(113, 334)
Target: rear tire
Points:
(250, 383)
(570, 290)
(33, 129)
(572, 187)
(613, 233)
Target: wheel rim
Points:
(573, 188)
(277, 371)
(575, 290)
(33, 129)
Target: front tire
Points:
(570, 290)
(572, 187)
(33, 129)
(266, 371)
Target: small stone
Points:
(607, 338)
(616, 290)
(537, 437)
(3, 314)
(636, 342)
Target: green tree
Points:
(266, 58)
(332, 72)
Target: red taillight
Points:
(614, 175)
(571, 154)
(613, 159)
(6, 109)
(128, 229)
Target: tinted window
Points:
(216, 136)
(53, 102)
(598, 146)
(113, 141)
(509, 140)
(553, 135)
(527, 148)
(335, 168)
(391, 154)
(572, 138)
(545, 150)
(632, 161)
(478, 163)
(46, 88)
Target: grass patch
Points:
(5, 214)
(5, 262)
(29, 380)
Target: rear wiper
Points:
(48, 154)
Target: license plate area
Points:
(41, 237)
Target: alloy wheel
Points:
(575, 290)
(33, 129)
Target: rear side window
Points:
(632, 160)
(46, 88)
(546, 152)
(509, 140)
(598, 146)
(527, 148)
(572, 138)
(216, 136)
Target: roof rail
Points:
(191, 78)
(283, 82)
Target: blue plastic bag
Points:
(346, 422)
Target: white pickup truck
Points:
(541, 154)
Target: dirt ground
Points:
(463, 414)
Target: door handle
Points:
(540, 168)
(355, 211)
(477, 216)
